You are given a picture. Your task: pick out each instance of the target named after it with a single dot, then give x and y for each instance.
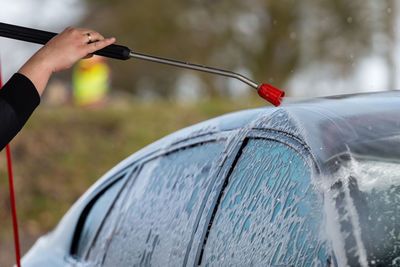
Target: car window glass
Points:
(381, 224)
(93, 215)
(268, 213)
(366, 208)
(155, 218)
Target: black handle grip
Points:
(42, 37)
(114, 51)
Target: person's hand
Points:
(61, 53)
(73, 44)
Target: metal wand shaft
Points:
(192, 66)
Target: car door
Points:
(158, 213)
(269, 212)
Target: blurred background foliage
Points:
(308, 47)
(270, 41)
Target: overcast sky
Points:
(46, 15)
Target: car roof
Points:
(367, 125)
(364, 125)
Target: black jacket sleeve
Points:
(18, 99)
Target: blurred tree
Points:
(269, 40)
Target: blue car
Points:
(311, 183)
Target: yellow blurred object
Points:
(91, 82)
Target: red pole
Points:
(13, 209)
(12, 199)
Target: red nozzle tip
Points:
(271, 94)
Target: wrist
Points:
(38, 70)
(42, 61)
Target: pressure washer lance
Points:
(266, 91)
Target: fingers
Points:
(93, 47)
(73, 44)
(84, 36)
(93, 40)
(89, 41)
(92, 36)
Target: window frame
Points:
(282, 137)
(136, 165)
(85, 211)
